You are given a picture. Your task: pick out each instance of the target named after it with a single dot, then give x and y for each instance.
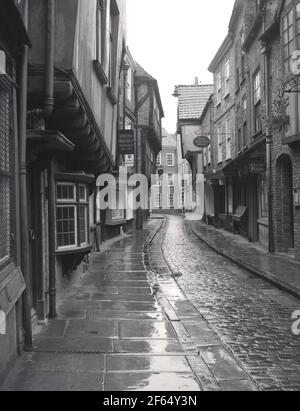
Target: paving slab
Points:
(102, 328)
(129, 307)
(158, 347)
(148, 363)
(70, 363)
(161, 382)
(150, 316)
(146, 330)
(74, 345)
(123, 298)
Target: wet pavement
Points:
(245, 324)
(161, 311)
(111, 333)
(279, 269)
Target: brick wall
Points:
(282, 155)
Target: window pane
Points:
(4, 218)
(83, 224)
(65, 192)
(82, 193)
(66, 226)
(5, 168)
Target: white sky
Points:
(175, 41)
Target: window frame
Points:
(77, 202)
(227, 79)
(257, 98)
(159, 160)
(220, 144)
(169, 163)
(101, 31)
(291, 30)
(228, 138)
(219, 88)
(7, 176)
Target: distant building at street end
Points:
(192, 100)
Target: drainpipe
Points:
(52, 242)
(269, 138)
(47, 110)
(44, 113)
(24, 230)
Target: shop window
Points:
(5, 177)
(72, 215)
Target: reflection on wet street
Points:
(111, 334)
(166, 314)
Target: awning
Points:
(40, 140)
(74, 119)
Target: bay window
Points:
(72, 215)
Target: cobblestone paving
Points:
(251, 317)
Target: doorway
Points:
(285, 217)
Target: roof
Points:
(192, 100)
(143, 75)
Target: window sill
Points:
(111, 95)
(226, 96)
(114, 223)
(99, 70)
(76, 250)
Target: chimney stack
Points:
(196, 81)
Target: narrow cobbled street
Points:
(249, 320)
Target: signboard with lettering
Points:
(126, 142)
(257, 167)
(129, 160)
(201, 141)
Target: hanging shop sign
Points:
(129, 160)
(2, 62)
(257, 167)
(201, 142)
(295, 63)
(126, 142)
